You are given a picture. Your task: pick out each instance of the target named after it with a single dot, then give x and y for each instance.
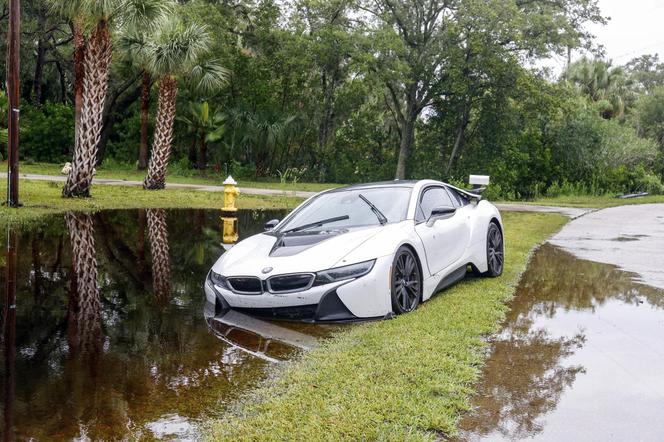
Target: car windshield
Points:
(348, 209)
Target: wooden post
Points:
(13, 93)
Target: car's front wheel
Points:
(495, 251)
(406, 281)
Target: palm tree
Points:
(205, 126)
(602, 84)
(94, 20)
(176, 50)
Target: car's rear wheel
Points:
(406, 281)
(495, 251)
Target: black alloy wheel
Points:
(406, 281)
(495, 252)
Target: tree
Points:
(596, 79)
(94, 21)
(176, 49)
(205, 126)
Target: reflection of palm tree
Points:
(84, 304)
(161, 264)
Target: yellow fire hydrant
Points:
(230, 194)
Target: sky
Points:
(635, 27)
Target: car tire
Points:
(405, 281)
(495, 251)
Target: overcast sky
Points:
(636, 27)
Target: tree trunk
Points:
(79, 75)
(145, 113)
(202, 154)
(161, 263)
(86, 336)
(407, 135)
(95, 84)
(407, 129)
(326, 127)
(127, 98)
(39, 71)
(163, 134)
(63, 82)
(192, 151)
(460, 139)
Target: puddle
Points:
(580, 357)
(104, 333)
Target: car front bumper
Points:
(365, 297)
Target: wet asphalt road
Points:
(631, 237)
(581, 353)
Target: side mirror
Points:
(442, 212)
(271, 224)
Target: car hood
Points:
(302, 252)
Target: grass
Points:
(404, 379)
(212, 178)
(41, 198)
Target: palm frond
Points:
(176, 47)
(208, 76)
(145, 15)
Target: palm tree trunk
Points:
(202, 154)
(163, 134)
(145, 111)
(95, 83)
(161, 263)
(85, 307)
(79, 74)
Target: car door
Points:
(445, 239)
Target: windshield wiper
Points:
(382, 219)
(316, 224)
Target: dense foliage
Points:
(359, 90)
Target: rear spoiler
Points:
(475, 194)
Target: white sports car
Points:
(360, 252)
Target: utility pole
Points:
(13, 92)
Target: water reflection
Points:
(580, 343)
(103, 332)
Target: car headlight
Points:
(345, 272)
(218, 280)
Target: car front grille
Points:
(290, 283)
(246, 285)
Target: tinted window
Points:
(432, 198)
(391, 201)
(458, 199)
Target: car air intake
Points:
(245, 285)
(290, 283)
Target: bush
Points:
(47, 132)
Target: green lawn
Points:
(403, 379)
(43, 198)
(212, 178)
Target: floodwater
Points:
(107, 335)
(580, 357)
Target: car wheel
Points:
(495, 251)
(406, 281)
